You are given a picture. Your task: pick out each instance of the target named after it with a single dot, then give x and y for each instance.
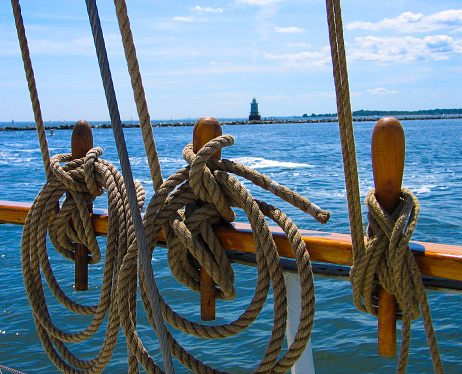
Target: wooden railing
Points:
(434, 260)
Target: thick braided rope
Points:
(388, 255)
(370, 260)
(128, 177)
(138, 91)
(165, 211)
(32, 86)
(178, 221)
(66, 226)
(334, 18)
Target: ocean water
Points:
(304, 157)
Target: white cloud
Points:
(258, 2)
(304, 58)
(404, 49)
(207, 9)
(291, 29)
(381, 91)
(298, 45)
(318, 95)
(183, 19)
(414, 22)
(274, 97)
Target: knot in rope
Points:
(187, 206)
(388, 256)
(201, 179)
(204, 198)
(390, 236)
(83, 179)
(80, 174)
(68, 224)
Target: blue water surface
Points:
(306, 158)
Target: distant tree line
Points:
(424, 112)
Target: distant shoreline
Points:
(266, 121)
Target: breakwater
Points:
(69, 126)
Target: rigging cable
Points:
(129, 184)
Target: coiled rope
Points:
(185, 230)
(186, 225)
(145, 259)
(67, 225)
(387, 253)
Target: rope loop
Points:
(388, 256)
(83, 179)
(91, 173)
(66, 225)
(388, 260)
(201, 179)
(186, 209)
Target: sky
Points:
(210, 58)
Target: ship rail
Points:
(331, 253)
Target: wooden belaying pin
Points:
(81, 143)
(206, 129)
(388, 153)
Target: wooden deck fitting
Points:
(388, 152)
(81, 143)
(434, 260)
(206, 129)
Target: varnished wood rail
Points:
(434, 260)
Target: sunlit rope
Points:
(32, 86)
(184, 230)
(366, 259)
(128, 177)
(67, 225)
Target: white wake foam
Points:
(260, 163)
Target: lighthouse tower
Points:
(254, 115)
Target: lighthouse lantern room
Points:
(254, 115)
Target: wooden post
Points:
(81, 143)
(388, 153)
(206, 129)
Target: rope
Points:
(176, 222)
(32, 86)
(126, 171)
(187, 227)
(138, 91)
(68, 225)
(2, 367)
(345, 120)
(387, 253)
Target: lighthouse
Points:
(254, 115)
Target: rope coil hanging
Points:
(388, 256)
(185, 229)
(180, 221)
(68, 225)
(392, 249)
(90, 175)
